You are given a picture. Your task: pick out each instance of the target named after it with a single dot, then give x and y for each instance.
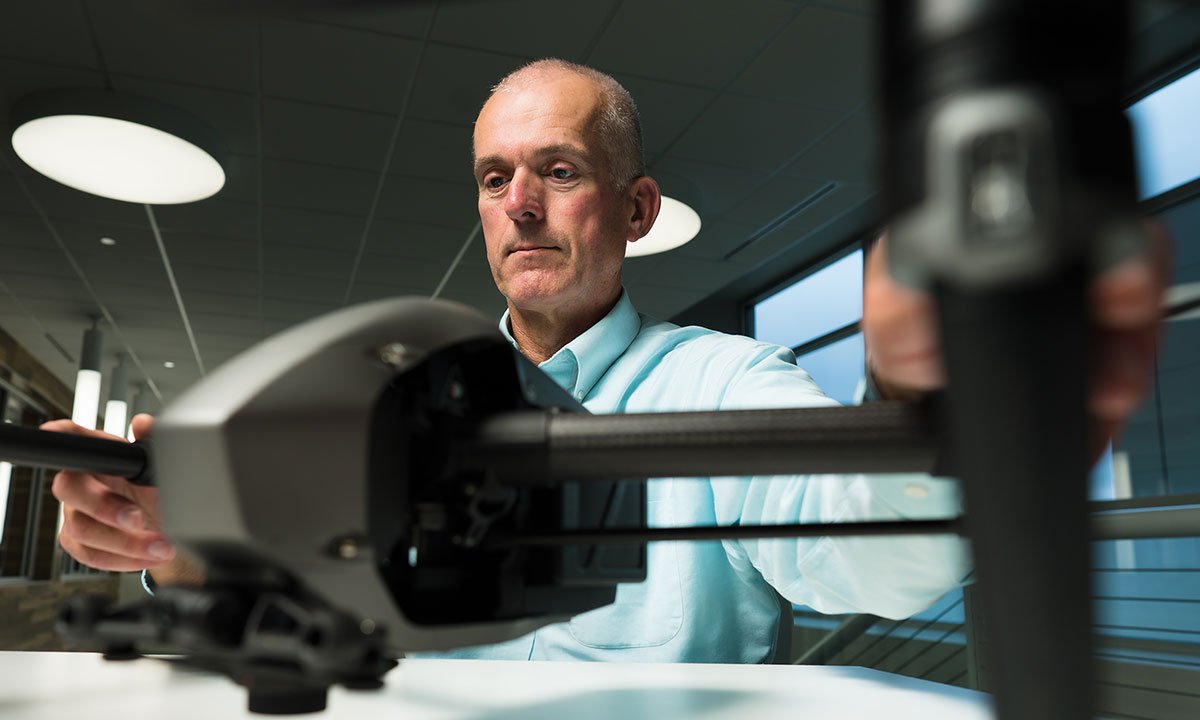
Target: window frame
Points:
(861, 242)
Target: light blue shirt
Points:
(715, 601)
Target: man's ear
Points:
(646, 199)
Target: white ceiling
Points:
(349, 125)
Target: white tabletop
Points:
(41, 686)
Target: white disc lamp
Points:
(117, 146)
(677, 224)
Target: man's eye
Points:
(562, 173)
(493, 182)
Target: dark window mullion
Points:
(828, 338)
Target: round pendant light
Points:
(118, 146)
(677, 224)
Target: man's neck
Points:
(540, 335)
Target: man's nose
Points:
(523, 202)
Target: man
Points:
(562, 189)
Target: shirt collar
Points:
(580, 364)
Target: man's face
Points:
(554, 223)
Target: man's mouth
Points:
(529, 248)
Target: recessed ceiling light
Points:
(168, 364)
(107, 241)
(118, 146)
(677, 224)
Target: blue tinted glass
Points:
(1164, 133)
(826, 300)
(1101, 482)
(837, 368)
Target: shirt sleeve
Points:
(889, 576)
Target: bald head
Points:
(615, 121)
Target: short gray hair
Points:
(616, 121)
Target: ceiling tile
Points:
(293, 311)
(59, 306)
(410, 18)
(162, 317)
(638, 269)
(665, 40)
(326, 135)
(101, 269)
(241, 179)
(666, 109)
(292, 287)
(59, 201)
(420, 200)
(796, 65)
(206, 278)
(490, 305)
(752, 133)
(433, 149)
(774, 199)
(214, 217)
(176, 41)
(337, 66)
(230, 114)
(695, 274)
(546, 28)
(226, 331)
(862, 7)
(366, 292)
(716, 239)
(222, 303)
(27, 287)
(458, 102)
(309, 262)
(420, 276)
(434, 243)
(23, 230)
(310, 228)
(662, 302)
(12, 200)
(711, 190)
(843, 199)
(318, 187)
(185, 248)
(19, 78)
(132, 243)
(847, 153)
(469, 281)
(27, 24)
(121, 293)
(45, 261)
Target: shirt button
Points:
(916, 492)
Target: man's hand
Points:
(904, 355)
(112, 524)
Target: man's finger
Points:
(143, 547)
(66, 426)
(900, 328)
(1121, 375)
(1129, 295)
(141, 423)
(96, 498)
(100, 559)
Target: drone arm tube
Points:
(56, 450)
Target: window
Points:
(818, 317)
(1164, 134)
